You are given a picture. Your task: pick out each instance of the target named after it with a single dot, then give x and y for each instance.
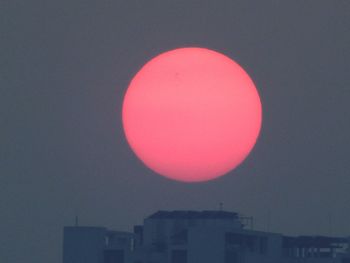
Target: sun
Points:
(191, 114)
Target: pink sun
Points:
(192, 114)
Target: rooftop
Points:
(208, 214)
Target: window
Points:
(263, 245)
(231, 256)
(179, 256)
(234, 239)
(113, 256)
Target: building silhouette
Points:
(198, 237)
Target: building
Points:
(95, 245)
(197, 237)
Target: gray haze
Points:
(64, 68)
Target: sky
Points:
(64, 69)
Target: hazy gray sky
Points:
(65, 66)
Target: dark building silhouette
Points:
(198, 237)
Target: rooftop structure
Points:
(180, 214)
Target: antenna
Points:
(221, 206)
(330, 222)
(268, 221)
(76, 221)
